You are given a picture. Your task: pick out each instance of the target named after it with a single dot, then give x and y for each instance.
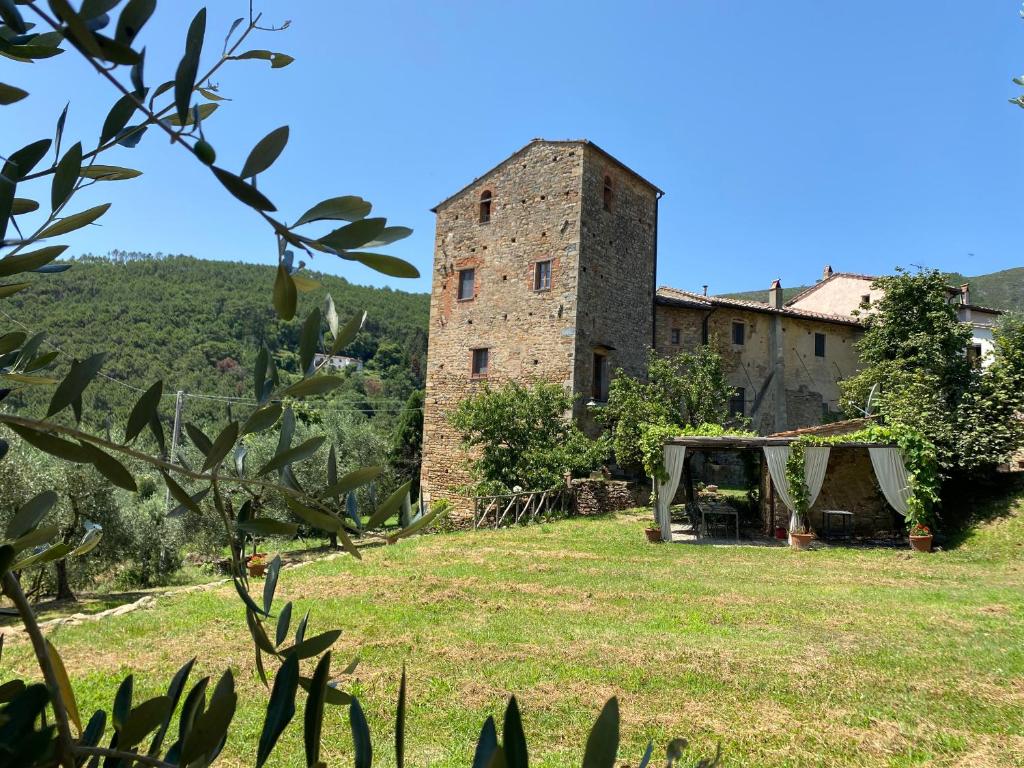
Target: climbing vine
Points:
(654, 436)
(919, 456)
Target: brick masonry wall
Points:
(535, 213)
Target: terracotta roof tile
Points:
(677, 297)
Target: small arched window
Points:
(609, 193)
(485, 206)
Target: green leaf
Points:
(346, 208)
(354, 235)
(318, 520)
(7, 553)
(53, 445)
(211, 726)
(334, 697)
(74, 384)
(262, 419)
(277, 60)
(347, 334)
(309, 341)
(603, 742)
(389, 506)
(389, 235)
(266, 151)
(284, 620)
(75, 221)
(270, 583)
(41, 535)
(143, 410)
(281, 708)
(266, 526)
(212, 95)
(113, 470)
(486, 745)
(198, 438)
(22, 205)
(188, 67)
(400, 724)
(242, 190)
(26, 262)
(174, 691)
(77, 31)
(12, 17)
(361, 744)
(225, 440)
(247, 598)
(386, 265)
(285, 296)
(205, 110)
(259, 634)
(64, 685)
(133, 17)
(65, 176)
(513, 738)
(293, 455)
(281, 60)
(21, 163)
(30, 514)
(315, 645)
(143, 720)
(11, 341)
(109, 173)
(314, 715)
(56, 552)
(419, 525)
(123, 702)
(353, 480)
(317, 385)
(10, 94)
(9, 289)
(179, 494)
(118, 117)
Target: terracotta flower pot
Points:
(921, 543)
(801, 540)
(653, 535)
(257, 567)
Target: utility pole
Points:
(179, 401)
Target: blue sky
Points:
(786, 135)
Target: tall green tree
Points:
(686, 390)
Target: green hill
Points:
(197, 324)
(1001, 290)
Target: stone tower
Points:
(544, 268)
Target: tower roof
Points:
(576, 142)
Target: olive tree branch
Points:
(12, 588)
(152, 118)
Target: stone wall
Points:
(597, 497)
(810, 384)
(850, 486)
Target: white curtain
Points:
(673, 459)
(777, 456)
(892, 476)
(815, 464)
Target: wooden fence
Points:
(520, 508)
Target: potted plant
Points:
(257, 564)
(800, 535)
(653, 533)
(921, 537)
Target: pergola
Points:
(886, 460)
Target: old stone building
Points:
(545, 268)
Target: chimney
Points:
(705, 290)
(775, 295)
(827, 273)
(965, 293)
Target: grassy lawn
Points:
(835, 657)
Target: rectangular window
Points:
(600, 388)
(974, 355)
(705, 333)
(675, 337)
(738, 402)
(739, 332)
(865, 300)
(542, 276)
(481, 363)
(467, 284)
(819, 345)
